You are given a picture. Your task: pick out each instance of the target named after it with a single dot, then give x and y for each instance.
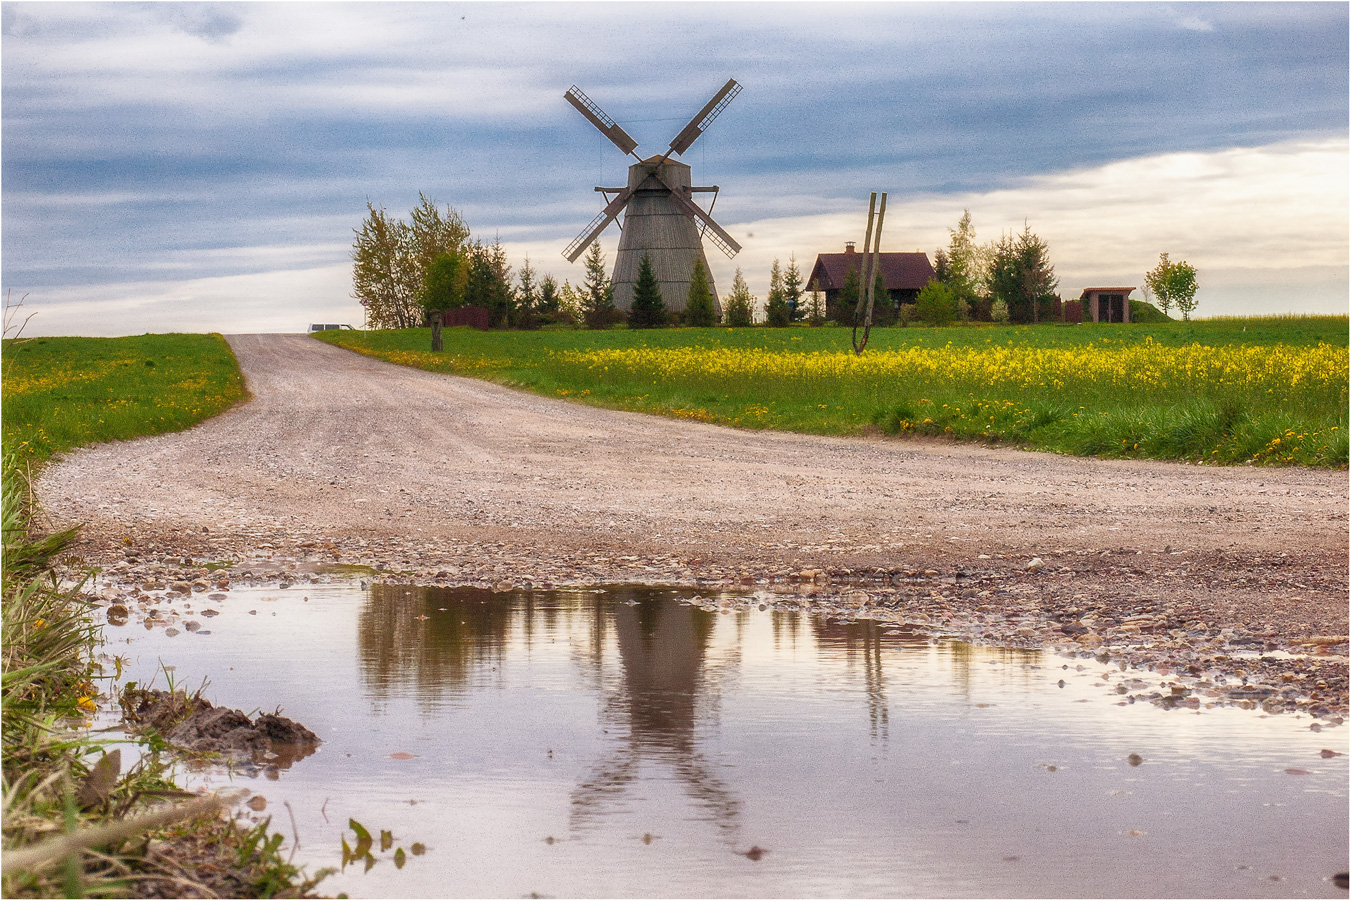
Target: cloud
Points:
(1194, 23)
(212, 22)
(1287, 205)
(149, 142)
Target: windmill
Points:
(660, 218)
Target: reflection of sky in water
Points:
(865, 761)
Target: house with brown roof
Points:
(903, 274)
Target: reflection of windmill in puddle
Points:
(863, 640)
(662, 648)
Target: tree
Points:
(381, 278)
(527, 298)
(999, 312)
(739, 307)
(699, 311)
(936, 304)
(777, 312)
(572, 304)
(599, 291)
(648, 309)
(390, 259)
(1155, 280)
(1173, 283)
(431, 233)
(547, 304)
(792, 289)
(1020, 275)
(847, 303)
(442, 289)
(815, 309)
(1183, 288)
(1037, 275)
(942, 266)
(501, 294)
(962, 266)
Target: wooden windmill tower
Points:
(660, 219)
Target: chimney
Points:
(848, 247)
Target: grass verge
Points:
(65, 392)
(1269, 390)
(74, 824)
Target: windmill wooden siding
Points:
(656, 227)
(903, 274)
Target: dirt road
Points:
(342, 457)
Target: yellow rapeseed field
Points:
(1147, 367)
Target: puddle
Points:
(624, 743)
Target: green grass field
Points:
(1266, 390)
(65, 392)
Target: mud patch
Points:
(192, 724)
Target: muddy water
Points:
(623, 743)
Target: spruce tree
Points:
(847, 304)
(792, 289)
(777, 313)
(548, 298)
(699, 311)
(739, 306)
(599, 291)
(527, 299)
(648, 309)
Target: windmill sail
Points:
(700, 122)
(597, 117)
(661, 222)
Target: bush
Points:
(936, 304)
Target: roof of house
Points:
(900, 271)
(1105, 290)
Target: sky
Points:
(202, 166)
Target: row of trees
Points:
(405, 273)
(1008, 280)
(1011, 280)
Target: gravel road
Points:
(341, 458)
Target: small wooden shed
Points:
(1106, 304)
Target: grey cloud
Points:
(212, 22)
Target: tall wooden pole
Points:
(875, 266)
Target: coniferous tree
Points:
(648, 309)
(816, 307)
(548, 298)
(699, 311)
(777, 312)
(847, 304)
(599, 290)
(792, 289)
(525, 314)
(740, 305)
(502, 294)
